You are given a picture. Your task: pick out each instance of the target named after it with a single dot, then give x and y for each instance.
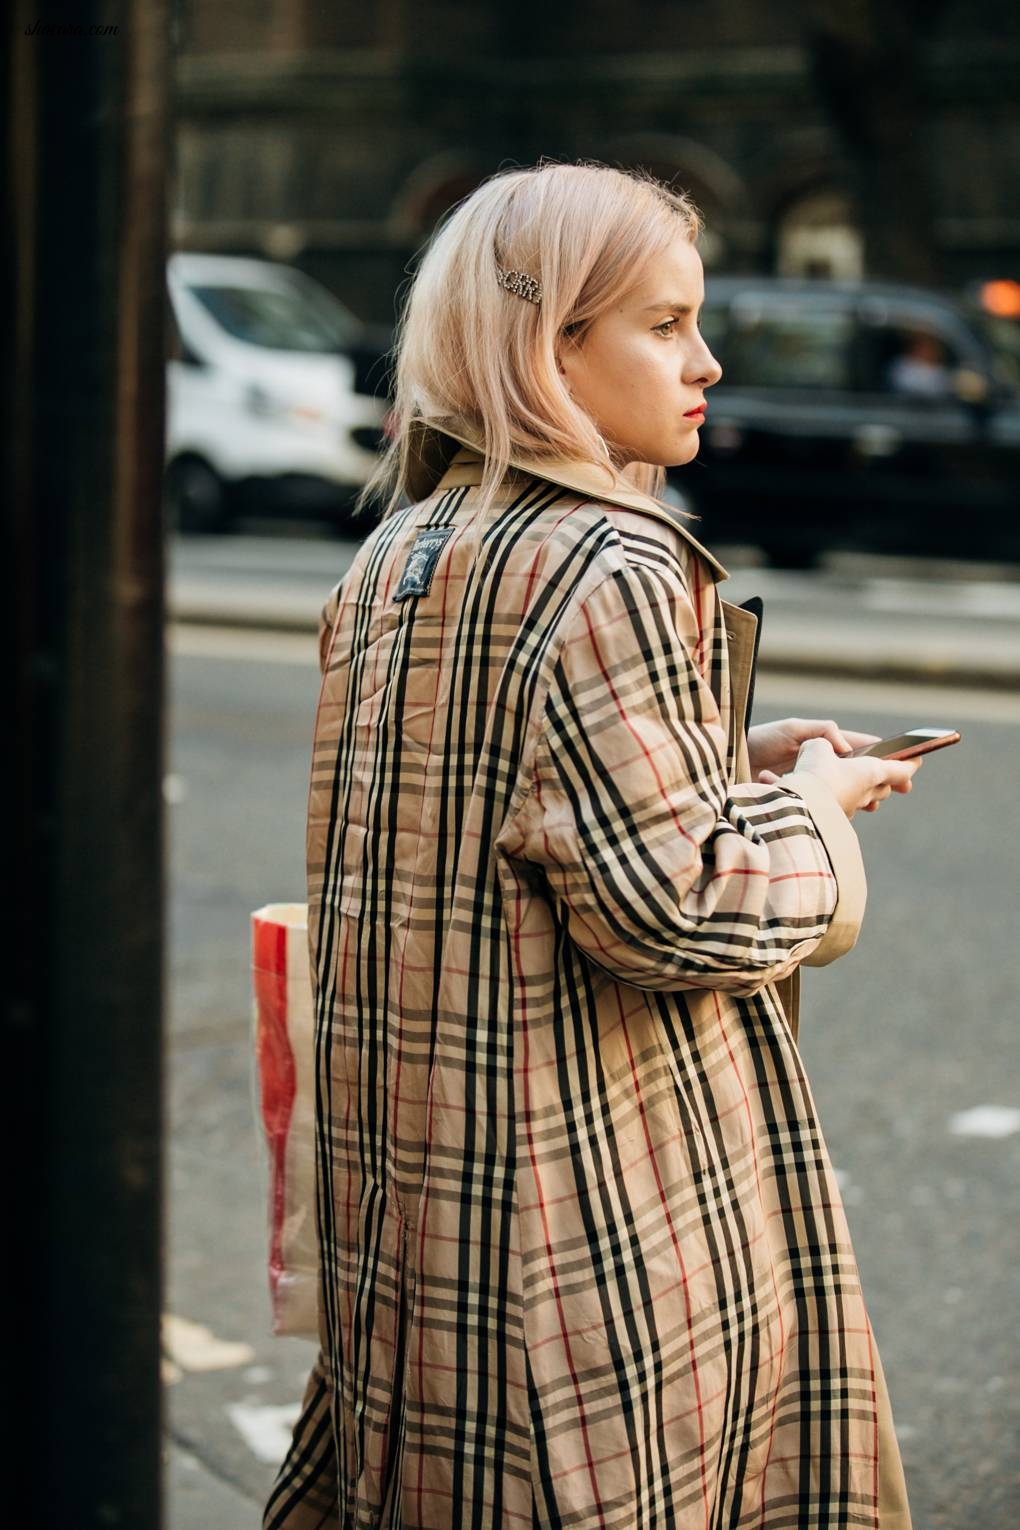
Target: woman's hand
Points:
(856, 784)
(773, 747)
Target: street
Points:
(910, 1041)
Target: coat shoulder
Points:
(646, 541)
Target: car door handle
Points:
(876, 440)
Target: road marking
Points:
(985, 1121)
(850, 1194)
(191, 1347)
(265, 1429)
(175, 789)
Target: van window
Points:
(788, 345)
(176, 350)
(295, 317)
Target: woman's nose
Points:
(708, 369)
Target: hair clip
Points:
(520, 283)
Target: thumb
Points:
(766, 777)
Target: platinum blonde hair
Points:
(470, 353)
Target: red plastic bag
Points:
(285, 1066)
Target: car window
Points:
(909, 356)
(712, 324)
(782, 344)
(286, 318)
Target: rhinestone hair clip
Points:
(520, 283)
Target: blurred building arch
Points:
(431, 190)
(690, 165)
(807, 212)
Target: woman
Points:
(584, 1260)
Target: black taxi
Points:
(857, 415)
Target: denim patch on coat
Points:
(421, 561)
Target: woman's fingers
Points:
(897, 776)
(901, 773)
(861, 783)
(822, 727)
(843, 740)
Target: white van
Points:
(261, 392)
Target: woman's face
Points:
(643, 365)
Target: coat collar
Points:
(442, 456)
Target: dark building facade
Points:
(816, 136)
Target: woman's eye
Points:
(666, 327)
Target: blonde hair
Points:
(470, 354)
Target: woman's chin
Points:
(685, 452)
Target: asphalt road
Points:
(910, 1042)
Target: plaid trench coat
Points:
(584, 1261)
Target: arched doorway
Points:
(688, 165)
(430, 191)
(817, 235)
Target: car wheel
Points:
(194, 496)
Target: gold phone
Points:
(905, 746)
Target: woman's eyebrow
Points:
(675, 307)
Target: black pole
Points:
(84, 235)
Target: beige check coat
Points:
(584, 1262)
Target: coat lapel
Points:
(741, 642)
(743, 631)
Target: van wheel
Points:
(194, 496)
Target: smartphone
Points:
(904, 746)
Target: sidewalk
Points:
(944, 628)
(197, 1496)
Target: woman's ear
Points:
(567, 351)
(558, 354)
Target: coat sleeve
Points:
(663, 873)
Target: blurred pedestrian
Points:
(584, 1260)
